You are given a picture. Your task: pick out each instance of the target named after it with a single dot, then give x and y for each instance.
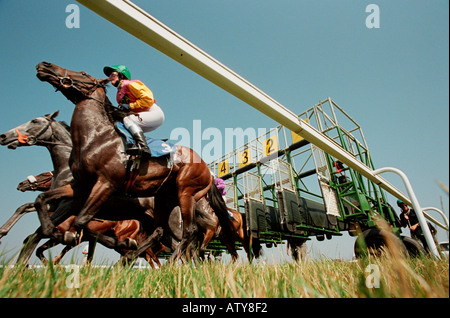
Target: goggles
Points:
(113, 74)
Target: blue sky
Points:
(392, 80)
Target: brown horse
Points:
(239, 232)
(97, 164)
(239, 225)
(41, 182)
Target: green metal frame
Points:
(358, 198)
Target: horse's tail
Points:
(220, 209)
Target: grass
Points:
(397, 277)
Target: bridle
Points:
(31, 140)
(67, 82)
(34, 184)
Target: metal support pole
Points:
(415, 204)
(433, 220)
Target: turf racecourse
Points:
(385, 276)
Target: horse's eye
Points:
(83, 73)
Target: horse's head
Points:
(75, 86)
(29, 133)
(41, 182)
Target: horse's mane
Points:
(114, 114)
(65, 125)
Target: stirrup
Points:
(134, 151)
(137, 151)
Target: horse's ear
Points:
(51, 116)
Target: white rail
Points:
(415, 204)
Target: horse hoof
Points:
(70, 238)
(131, 243)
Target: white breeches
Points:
(148, 120)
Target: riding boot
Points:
(139, 138)
(141, 142)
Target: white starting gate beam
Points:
(145, 27)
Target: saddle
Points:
(158, 148)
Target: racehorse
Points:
(47, 132)
(97, 165)
(55, 136)
(215, 231)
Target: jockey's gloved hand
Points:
(125, 106)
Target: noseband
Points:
(32, 140)
(35, 184)
(67, 82)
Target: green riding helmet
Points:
(121, 69)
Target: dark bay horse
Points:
(97, 164)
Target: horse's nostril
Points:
(2, 136)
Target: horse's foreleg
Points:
(149, 243)
(48, 228)
(100, 194)
(21, 211)
(58, 258)
(241, 233)
(41, 249)
(152, 255)
(245, 240)
(28, 247)
(185, 247)
(206, 239)
(91, 250)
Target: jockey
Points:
(220, 184)
(133, 95)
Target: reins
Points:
(34, 184)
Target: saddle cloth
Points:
(158, 147)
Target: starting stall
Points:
(290, 190)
